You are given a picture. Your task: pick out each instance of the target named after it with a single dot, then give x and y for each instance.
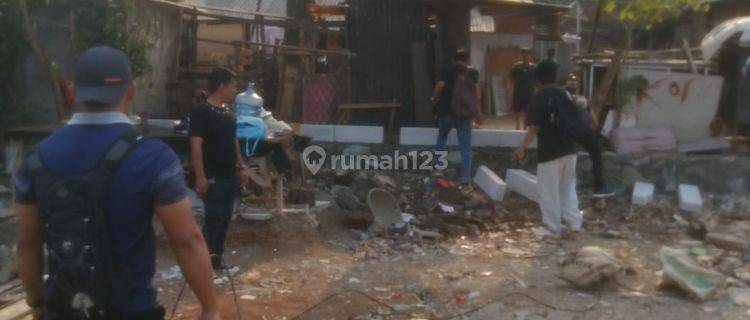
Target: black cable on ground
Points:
(532, 298)
(464, 313)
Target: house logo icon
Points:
(314, 158)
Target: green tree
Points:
(92, 22)
(113, 23)
(648, 13)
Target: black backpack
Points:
(80, 258)
(465, 102)
(566, 117)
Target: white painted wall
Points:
(685, 102)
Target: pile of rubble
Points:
(427, 207)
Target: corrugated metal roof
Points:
(270, 7)
(480, 23)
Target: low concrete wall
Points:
(714, 174)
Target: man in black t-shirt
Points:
(217, 159)
(556, 171)
(442, 98)
(522, 86)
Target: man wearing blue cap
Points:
(88, 194)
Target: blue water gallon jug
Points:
(248, 103)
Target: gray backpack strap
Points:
(126, 143)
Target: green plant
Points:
(627, 88)
(114, 23)
(647, 13)
(92, 22)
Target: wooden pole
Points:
(689, 54)
(41, 55)
(596, 25)
(606, 84)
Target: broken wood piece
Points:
(432, 235)
(16, 311)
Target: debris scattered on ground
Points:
(682, 270)
(739, 296)
(727, 241)
(591, 265)
(172, 273)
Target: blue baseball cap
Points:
(102, 74)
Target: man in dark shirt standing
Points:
(522, 84)
(147, 182)
(556, 171)
(447, 120)
(217, 159)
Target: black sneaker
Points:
(218, 263)
(603, 192)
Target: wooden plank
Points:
(609, 78)
(10, 286)
(499, 98)
(16, 311)
(277, 46)
(288, 93)
(371, 105)
(691, 63)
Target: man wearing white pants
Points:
(557, 190)
(556, 171)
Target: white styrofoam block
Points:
(490, 183)
(319, 132)
(690, 198)
(479, 137)
(418, 136)
(523, 183)
(514, 139)
(485, 138)
(358, 134)
(643, 193)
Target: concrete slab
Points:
(319, 132)
(690, 198)
(704, 145)
(643, 193)
(523, 183)
(358, 134)
(486, 138)
(418, 136)
(480, 137)
(490, 183)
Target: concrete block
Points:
(704, 145)
(690, 198)
(485, 138)
(358, 134)
(319, 132)
(514, 138)
(643, 193)
(418, 136)
(523, 183)
(490, 183)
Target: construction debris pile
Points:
(705, 253)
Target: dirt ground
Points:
(291, 269)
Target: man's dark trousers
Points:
(590, 143)
(219, 203)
